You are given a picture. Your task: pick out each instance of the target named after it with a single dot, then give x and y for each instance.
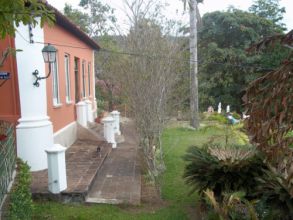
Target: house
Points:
(47, 113)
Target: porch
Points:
(109, 176)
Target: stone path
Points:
(119, 179)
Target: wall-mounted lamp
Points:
(49, 55)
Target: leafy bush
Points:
(21, 205)
(223, 169)
(218, 117)
(236, 115)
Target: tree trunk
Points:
(193, 65)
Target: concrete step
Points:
(103, 201)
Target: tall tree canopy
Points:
(269, 9)
(226, 68)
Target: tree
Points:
(193, 16)
(77, 17)
(269, 9)
(97, 20)
(148, 83)
(226, 68)
(12, 13)
(147, 60)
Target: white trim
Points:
(67, 135)
(83, 72)
(55, 73)
(89, 79)
(27, 123)
(59, 105)
(67, 77)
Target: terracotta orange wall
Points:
(9, 95)
(57, 36)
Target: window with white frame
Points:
(55, 78)
(83, 79)
(89, 78)
(67, 77)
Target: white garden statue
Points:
(228, 108)
(220, 108)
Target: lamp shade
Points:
(49, 53)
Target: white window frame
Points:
(83, 79)
(67, 78)
(55, 80)
(89, 78)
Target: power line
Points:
(109, 51)
(26, 13)
(150, 56)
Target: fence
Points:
(7, 157)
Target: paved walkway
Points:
(119, 179)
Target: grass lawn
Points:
(176, 139)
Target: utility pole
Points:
(193, 64)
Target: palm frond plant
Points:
(227, 169)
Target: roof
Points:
(64, 22)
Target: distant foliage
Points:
(94, 17)
(269, 9)
(20, 199)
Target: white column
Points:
(90, 117)
(57, 180)
(34, 132)
(116, 116)
(81, 110)
(109, 133)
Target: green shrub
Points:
(21, 205)
(223, 169)
(236, 115)
(275, 202)
(218, 118)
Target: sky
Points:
(175, 10)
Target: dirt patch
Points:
(150, 199)
(195, 212)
